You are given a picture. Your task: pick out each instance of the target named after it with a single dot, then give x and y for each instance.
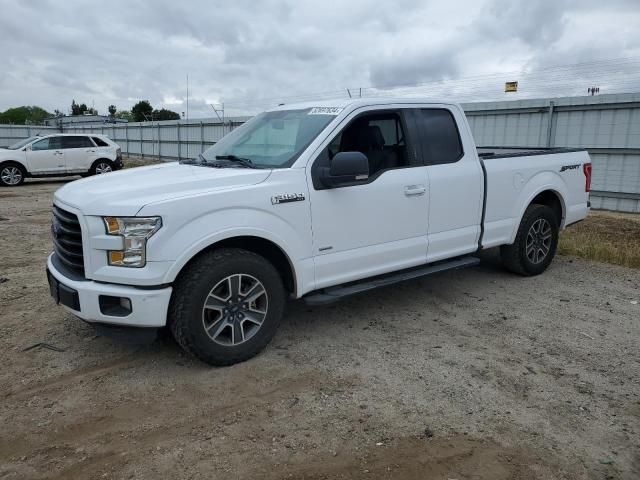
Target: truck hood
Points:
(125, 192)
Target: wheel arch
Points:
(101, 159)
(19, 163)
(553, 199)
(550, 196)
(266, 248)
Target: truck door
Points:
(376, 226)
(45, 156)
(456, 181)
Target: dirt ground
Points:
(472, 374)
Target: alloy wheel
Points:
(539, 241)
(235, 309)
(103, 168)
(11, 175)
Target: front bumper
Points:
(147, 306)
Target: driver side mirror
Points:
(347, 168)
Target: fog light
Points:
(115, 306)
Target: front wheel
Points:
(536, 242)
(11, 174)
(226, 306)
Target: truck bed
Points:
(515, 175)
(488, 153)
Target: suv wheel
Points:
(101, 166)
(536, 242)
(226, 306)
(11, 174)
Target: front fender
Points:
(195, 248)
(183, 240)
(15, 159)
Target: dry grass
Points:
(131, 162)
(609, 237)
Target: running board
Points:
(333, 294)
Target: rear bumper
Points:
(94, 301)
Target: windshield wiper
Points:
(246, 162)
(193, 161)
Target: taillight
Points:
(587, 176)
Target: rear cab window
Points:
(439, 136)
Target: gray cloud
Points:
(252, 54)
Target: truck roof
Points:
(357, 102)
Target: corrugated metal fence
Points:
(606, 125)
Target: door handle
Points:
(91, 151)
(57, 153)
(410, 190)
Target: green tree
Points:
(142, 111)
(124, 114)
(112, 110)
(75, 108)
(82, 108)
(24, 115)
(164, 114)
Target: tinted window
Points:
(379, 136)
(439, 136)
(76, 142)
(49, 143)
(99, 142)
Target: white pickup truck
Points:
(314, 201)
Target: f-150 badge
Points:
(287, 197)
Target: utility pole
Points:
(187, 97)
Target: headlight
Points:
(135, 231)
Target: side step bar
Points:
(333, 294)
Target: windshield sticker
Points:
(325, 110)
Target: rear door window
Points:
(439, 136)
(76, 142)
(99, 142)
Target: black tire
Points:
(530, 254)
(188, 316)
(99, 166)
(12, 174)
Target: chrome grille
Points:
(67, 239)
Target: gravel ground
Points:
(473, 374)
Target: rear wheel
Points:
(536, 242)
(101, 166)
(12, 174)
(226, 306)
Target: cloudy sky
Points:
(251, 54)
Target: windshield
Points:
(271, 139)
(22, 143)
